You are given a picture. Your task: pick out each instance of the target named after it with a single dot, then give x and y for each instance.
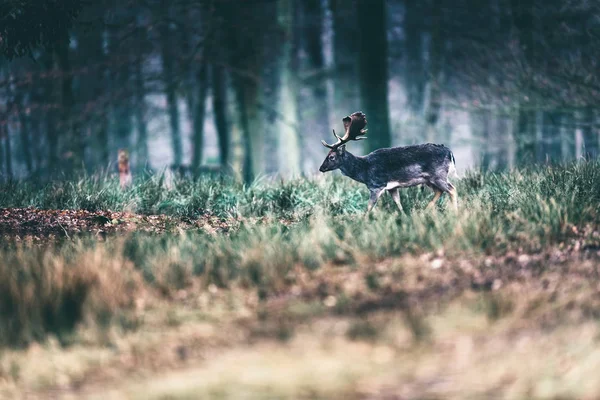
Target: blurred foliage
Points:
(27, 25)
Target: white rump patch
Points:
(452, 170)
(392, 185)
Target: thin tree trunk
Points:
(247, 92)
(140, 113)
(525, 136)
(103, 92)
(289, 150)
(590, 134)
(503, 139)
(74, 147)
(373, 71)
(567, 135)
(52, 138)
(169, 82)
(7, 151)
(249, 39)
(186, 65)
(23, 129)
(36, 144)
(122, 109)
(2, 164)
(198, 141)
(219, 97)
(315, 113)
(436, 55)
(25, 142)
(480, 128)
(345, 35)
(414, 80)
(522, 13)
(551, 137)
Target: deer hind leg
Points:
(453, 196)
(436, 197)
(396, 197)
(375, 194)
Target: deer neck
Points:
(354, 167)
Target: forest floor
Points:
(402, 328)
(501, 300)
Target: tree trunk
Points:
(140, 118)
(590, 134)
(219, 97)
(345, 35)
(436, 55)
(522, 13)
(480, 130)
(123, 109)
(186, 65)
(504, 136)
(247, 92)
(373, 71)
(219, 89)
(315, 112)
(21, 107)
(1, 153)
(102, 90)
(249, 40)
(567, 135)
(525, 136)
(52, 139)
(289, 150)
(414, 80)
(25, 142)
(551, 137)
(7, 150)
(140, 113)
(198, 143)
(170, 85)
(74, 147)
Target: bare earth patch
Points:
(36, 224)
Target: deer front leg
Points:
(396, 197)
(375, 193)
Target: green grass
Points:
(574, 187)
(522, 211)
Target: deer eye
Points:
(332, 157)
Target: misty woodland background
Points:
(251, 86)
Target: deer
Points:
(389, 169)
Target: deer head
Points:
(354, 125)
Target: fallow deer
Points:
(389, 169)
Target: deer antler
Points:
(354, 126)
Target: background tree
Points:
(373, 71)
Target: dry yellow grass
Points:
(410, 327)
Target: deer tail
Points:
(452, 166)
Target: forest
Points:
(165, 232)
(251, 86)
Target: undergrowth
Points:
(573, 186)
(49, 289)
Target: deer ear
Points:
(341, 149)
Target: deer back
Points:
(409, 165)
